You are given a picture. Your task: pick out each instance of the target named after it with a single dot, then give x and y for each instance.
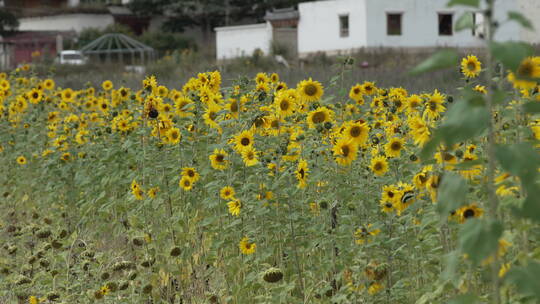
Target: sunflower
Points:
(471, 66)
(364, 233)
(246, 247)
(310, 90)
(280, 86)
(234, 207)
(356, 94)
(173, 136)
(186, 183)
(107, 85)
(529, 68)
(379, 165)
(249, 156)
(480, 89)
(318, 116)
(35, 96)
(302, 173)
(345, 151)
(66, 157)
(182, 106)
(261, 78)
(369, 88)
(472, 171)
(434, 106)
(357, 131)
(432, 185)
(211, 114)
(227, 193)
(394, 146)
(21, 160)
(219, 160)
(389, 194)
(152, 192)
(274, 77)
(138, 193)
(413, 104)
(191, 174)
(233, 107)
(419, 129)
(244, 140)
(470, 211)
(284, 104)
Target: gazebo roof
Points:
(115, 43)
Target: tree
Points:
(8, 21)
(206, 14)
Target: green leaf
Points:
(452, 193)
(473, 3)
(532, 107)
(519, 18)
(430, 147)
(480, 238)
(520, 159)
(464, 299)
(465, 21)
(526, 279)
(510, 53)
(466, 119)
(440, 60)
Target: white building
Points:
(242, 40)
(342, 26)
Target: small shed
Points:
(119, 48)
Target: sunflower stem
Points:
(492, 197)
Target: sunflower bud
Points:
(273, 275)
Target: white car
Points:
(71, 57)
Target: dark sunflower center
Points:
(234, 107)
(468, 213)
(284, 105)
(310, 90)
(174, 135)
(525, 69)
(220, 158)
(187, 183)
(422, 178)
(432, 106)
(191, 173)
(301, 172)
(318, 117)
(471, 66)
(378, 166)
(245, 141)
(35, 95)
(345, 150)
(356, 91)
(448, 157)
(212, 115)
(250, 155)
(390, 194)
(355, 131)
(368, 88)
(395, 146)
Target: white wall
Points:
(76, 22)
(239, 41)
(318, 27)
(531, 10)
(420, 25)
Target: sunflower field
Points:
(263, 191)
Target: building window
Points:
(344, 26)
(393, 24)
(445, 25)
(478, 28)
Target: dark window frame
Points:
(445, 29)
(390, 32)
(344, 25)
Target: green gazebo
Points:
(119, 48)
